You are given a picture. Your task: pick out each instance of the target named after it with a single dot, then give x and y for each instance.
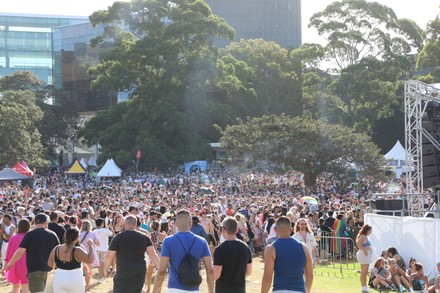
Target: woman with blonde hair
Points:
(84, 236)
(397, 275)
(380, 277)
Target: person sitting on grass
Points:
(398, 275)
(380, 277)
(419, 282)
(436, 285)
(412, 262)
(392, 252)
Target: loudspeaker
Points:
(430, 154)
(384, 205)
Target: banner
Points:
(195, 166)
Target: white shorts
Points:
(174, 290)
(364, 259)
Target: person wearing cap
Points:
(37, 245)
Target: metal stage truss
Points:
(417, 97)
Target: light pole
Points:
(71, 134)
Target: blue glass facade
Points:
(26, 43)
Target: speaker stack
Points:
(431, 155)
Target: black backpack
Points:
(188, 270)
(417, 285)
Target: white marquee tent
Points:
(396, 159)
(109, 170)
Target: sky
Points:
(420, 11)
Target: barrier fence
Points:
(335, 251)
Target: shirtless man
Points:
(207, 225)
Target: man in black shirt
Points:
(129, 247)
(55, 227)
(232, 261)
(37, 244)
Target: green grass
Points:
(330, 280)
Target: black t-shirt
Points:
(38, 244)
(130, 247)
(59, 230)
(233, 256)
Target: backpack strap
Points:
(181, 243)
(192, 244)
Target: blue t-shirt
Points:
(172, 248)
(198, 230)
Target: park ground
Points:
(329, 279)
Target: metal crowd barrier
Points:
(335, 251)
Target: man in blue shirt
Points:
(197, 228)
(289, 261)
(173, 250)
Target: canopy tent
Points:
(113, 162)
(109, 170)
(396, 159)
(23, 168)
(76, 168)
(92, 161)
(83, 163)
(9, 174)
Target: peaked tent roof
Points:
(113, 162)
(22, 168)
(396, 153)
(76, 168)
(109, 170)
(83, 163)
(92, 161)
(9, 174)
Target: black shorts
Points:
(132, 285)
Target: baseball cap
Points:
(40, 218)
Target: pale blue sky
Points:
(421, 10)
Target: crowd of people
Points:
(135, 225)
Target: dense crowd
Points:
(95, 216)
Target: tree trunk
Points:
(310, 179)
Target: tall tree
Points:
(260, 77)
(20, 138)
(58, 106)
(164, 59)
(355, 29)
(306, 145)
(428, 59)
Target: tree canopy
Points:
(356, 29)
(20, 138)
(165, 60)
(306, 145)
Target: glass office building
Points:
(26, 43)
(72, 57)
(56, 49)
